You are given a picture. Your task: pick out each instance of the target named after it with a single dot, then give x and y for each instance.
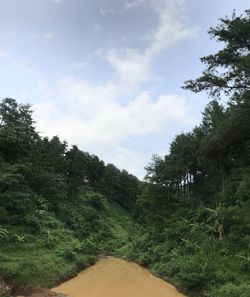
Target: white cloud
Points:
(97, 28)
(44, 88)
(131, 67)
(110, 11)
(88, 98)
(130, 5)
(93, 118)
(3, 55)
(43, 37)
(171, 27)
(134, 65)
(79, 65)
(47, 36)
(133, 161)
(23, 65)
(133, 4)
(97, 118)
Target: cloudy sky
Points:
(107, 74)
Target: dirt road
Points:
(112, 277)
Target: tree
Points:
(76, 170)
(52, 155)
(17, 132)
(128, 186)
(109, 182)
(95, 170)
(18, 143)
(226, 132)
(228, 70)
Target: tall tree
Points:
(228, 70)
(17, 132)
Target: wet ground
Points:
(112, 277)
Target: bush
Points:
(231, 290)
(33, 222)
(85, 261)
(4, 215)
(169, 269)
(4, 234)
(4, 293)
(195, 272)
(68, 253)
(96, 200)
(49, 240)
(88, 247)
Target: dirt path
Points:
(112, 277)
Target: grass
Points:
(53, 253)
(123, 229)
(35, 262)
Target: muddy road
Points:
(112, 277)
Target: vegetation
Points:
(58, 210)
(196, 203)
(188, 222)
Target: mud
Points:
(112, 277)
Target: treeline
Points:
(212, 161)
(196, 201)
(41, 174)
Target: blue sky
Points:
(107, 74)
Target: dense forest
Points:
(188, 221)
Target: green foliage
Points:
(4, 293)
(53, 252)
(55, 216)
(86, 261)
(89, 247)
(231, 290)
(96, 200)
(4, 234)
(232, 61)
(195, 273)
(195, 204)
(68, 253)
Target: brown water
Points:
(112, 277)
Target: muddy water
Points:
(112, 277)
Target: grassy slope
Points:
(123, 228)
(53, 254)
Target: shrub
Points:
(88, 247)
(4, 215)
(4, 293)
(49, 240)
(231, 290)
(169, 269)
(245, 262)
(195, 272)
(33, 222)
(96, 200)
(4, 234)
(85, 261)
(67, 253)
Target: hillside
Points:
(51, 252)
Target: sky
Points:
(106, 75)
